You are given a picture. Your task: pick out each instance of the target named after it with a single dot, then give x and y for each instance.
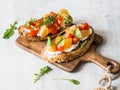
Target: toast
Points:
(69, 55)
(48, 26)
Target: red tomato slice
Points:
(52, 29)
(38, 22)
(75, 40)
(69, 35)
(32, 31)
(81, 27)
(60, 48)
(60, 21)
(32, 23)
(55, 23)
(85, 26)
(52, 13)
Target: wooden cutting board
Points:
(90, 56)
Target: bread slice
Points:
(68, 56)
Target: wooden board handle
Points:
(102, 61)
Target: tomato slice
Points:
(68, 43)
(58, 39)
(55, 23)
(32, 31)
(60, 48)
(32, 23)
(52, 13)
(52, 29)
(60, 21)
(69, 35)
(85, 26)
(81, 27)
(75, 40)
(38, 22)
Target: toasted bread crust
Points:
(68, 56)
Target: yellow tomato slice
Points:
(46, 15)
(43, 32)
(63, 12)
(85, 33)
(68, 43)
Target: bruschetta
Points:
(74, 42)
(48, 26)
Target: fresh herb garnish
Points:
(68, 21)
(83, 43)
(9, 32)
(47, 21)
(43, 71)
(76, 82)
(62, 41)
(78, 34)
(31, 20)
(49, 42)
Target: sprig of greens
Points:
(43, 71)
(68, 21)
(76, 82)
(47, 21)
(83, 43)
(10, 31)
(49, 42)
(31, 20)
(62, 41)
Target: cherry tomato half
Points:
(69, 35)
(60, 21)
(52, 13)
(85, 26)
(60, 48)
(38, 22)
(75, 40)
(32, 23)
(32, 31)
(52, 29)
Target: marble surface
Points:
(17, 67)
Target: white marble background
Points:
(17, 67)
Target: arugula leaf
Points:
(83, 43)
(27, 23)
(9, 32)
(76, 82)
(67, 20)
(62, 41)
(78, 34)
(52, 18)
(31, 20)
(47, 21)
(49, 42)
(43, 71)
